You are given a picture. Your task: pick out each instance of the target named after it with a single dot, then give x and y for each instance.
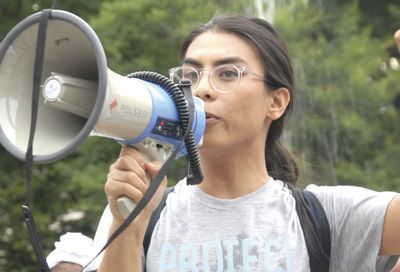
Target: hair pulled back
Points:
(278, 72)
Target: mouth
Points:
(211, 118)
(210, 115)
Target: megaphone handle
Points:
(125, 204)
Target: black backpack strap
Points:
(318, 243)
(320, 221)
(154, 219)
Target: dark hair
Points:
(278, 72)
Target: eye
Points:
(227, 74)
(189, 74)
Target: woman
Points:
(242, 217)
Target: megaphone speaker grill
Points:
(71, 48)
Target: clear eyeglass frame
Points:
(223, 78)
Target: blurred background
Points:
(345, 129)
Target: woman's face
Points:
(239, 119)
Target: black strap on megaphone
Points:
(156, 181)
(26, 211)
(37, 76)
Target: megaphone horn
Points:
(80, 95)
(72, 48)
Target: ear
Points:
(279, 99)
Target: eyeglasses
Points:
(223, 78)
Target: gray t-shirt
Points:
(261, 231)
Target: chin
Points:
(213, 145)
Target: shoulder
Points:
(181, 185)
(349, 195)
(356, 218)
(179, 194)
(351, 207)
(181, 189)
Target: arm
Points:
(127, 176)
(396, 268)
(390, 244)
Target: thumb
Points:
(153, 168)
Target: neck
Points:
(233, 174)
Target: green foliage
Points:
(346, 131)
(346, 127)
(146, 34)
(13, 11)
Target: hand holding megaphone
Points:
(129, 177)
(137, 163)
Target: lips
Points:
(210, 115)
(211, 118)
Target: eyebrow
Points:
(227, 60)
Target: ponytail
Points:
(280, 163)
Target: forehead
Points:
(212, 47)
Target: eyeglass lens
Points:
(222, 78)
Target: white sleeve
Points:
(77, 248)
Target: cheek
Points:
(248, 103)
(248, 114)
(247, 108)
(241, 108)
(254, 106)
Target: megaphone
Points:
(81, 96)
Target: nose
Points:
(204, 89)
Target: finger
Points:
(115, 190)
(153, 168)
(128, 177)
(397, 38)
(127, 163)
(133, 153)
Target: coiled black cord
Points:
(178, 96)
